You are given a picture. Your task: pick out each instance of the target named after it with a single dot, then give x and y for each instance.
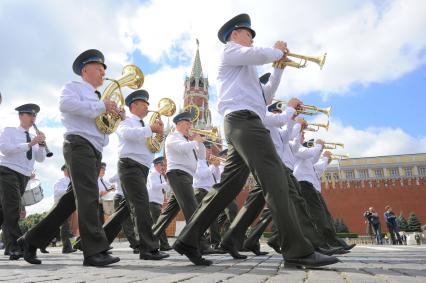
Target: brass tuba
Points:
(320, 60)
(133, 78)
(166, 107)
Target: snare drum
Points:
(108, 202)
(33, 193)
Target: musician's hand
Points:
(157, 127)
(327, 154)
(122, 114)
(300, 120)
(111, 106)
(281, 45)
(40, 138)
(295, 103)
(215, 161)
(196, 137)
(320, 141)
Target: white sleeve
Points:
(278, 120)
(271, 86)
(239, 55)
(40, 153)
(9, 147)
(114, 179)
(215, 170)
(70, 102)
(308, 152)
(320, 166)
(156, 183)
(203, 171)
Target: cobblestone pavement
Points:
(363, 264)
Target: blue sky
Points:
(374, 77)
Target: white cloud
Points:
(370, 141)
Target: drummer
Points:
(104, 187)
(19, 149)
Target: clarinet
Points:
(48, 152)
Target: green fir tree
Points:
(402, 223)
(414, 224)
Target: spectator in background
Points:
(373, 219)
(390, 220)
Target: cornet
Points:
(320, 60)
(309, 110)
(333, 145)
(339, 156)
(314, 127)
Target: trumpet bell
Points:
(320, 60)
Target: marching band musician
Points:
(304, 171)
(318, 205)
(182, 153)
(127, 226)
(206, 175)
(59, 189)
(242, 101)
(233, 240)
(19, 150)
(83, 144)
(104, 187)
(133, 166)
(157, 187)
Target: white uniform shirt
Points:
(319, 169)
(156, 185)
(206, 175)
(103, 185)
(79, 106)
(238, 83)
(60, 188)
(13, 149)
(180, 153)
(116, 180)
(273, 122)
(305, 160)
(292, 146)
(132, 141)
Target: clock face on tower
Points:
(194, 110)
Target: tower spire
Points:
(197, 70)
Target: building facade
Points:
(355, 184)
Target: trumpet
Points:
(333, 145)
(214, 157)
(309, 110)
(314, 127)
(48, 152)
(213, 134)
(339, 156)
(320, 60)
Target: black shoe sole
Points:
(304, 266)
(197, 261)
(234, 254)
(85, 263)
